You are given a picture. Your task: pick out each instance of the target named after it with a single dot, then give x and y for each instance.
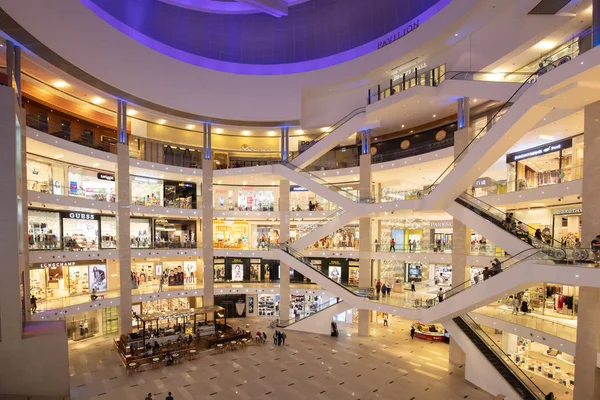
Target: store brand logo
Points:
(106, 177)
(245, 147)
(57, 264)
(76, 215)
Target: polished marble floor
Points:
(386, 365)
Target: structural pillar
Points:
(18, 75)
(207, 218)
(285, 143)
(284, 236)
(595, 22)
(587, 375)
(461, 234)
(123, 220)
(10, 62)
(364, 230)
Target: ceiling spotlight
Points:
(131, 112)
(403, 126)
(97, 100)
(190, 126)
(434, 115)
(245, 133)
(162, 121)
(299, 132)
(271, 133)
(218, 130)
(545, 45)
(60, 84)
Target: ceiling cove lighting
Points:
(97, 100)
(219, 130)
(131, 112)
(545, 45)
(246, 133)
(59, 84)
(162, 121)
(190, 126)
(271, 133)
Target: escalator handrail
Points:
(529, 227)
(476, 137)
(466, 284)
(323, 307)
(502, 356)
(342, 121)
(455, 74)
(306, 261)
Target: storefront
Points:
(219, 270)
(180, 195)
(234, 304)
(147, 191)
(560, 224)
(256, 200)
(140, 232)
(81, 231)
(231, 235)
(45, 175)
(441, 235)
(301, 199)
(552, 163)
(173, 233)
(92, 184)
(67, 278)
(44, 230)
(241, 269)
(179, 273)
(409, 235)
(265, 235)
(149, 271)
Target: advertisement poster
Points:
(98, 277)
(335, 273)
(255, 272)
(219, 272)
(237, 272)
(189, 268)
(353, 276)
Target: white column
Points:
(13, 246)
(123, 220)
(587, 374)
(461, 234)
(284, 235)
(364, 227)
(207, 219)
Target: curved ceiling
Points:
(329, 31)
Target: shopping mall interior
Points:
(300, 199)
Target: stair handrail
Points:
(491, 344)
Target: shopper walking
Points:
(283, 336)
(383, 290)
(378, 288)
(33, 301)
(413, 287)
(376, 245)
(440, 295)
(278, 338)
(515, 305)
(160, 284)
(275, 334)
(169, 397)
(393, 245)
(264, 335)
(149, 397)
(412, 331)
(385, 320)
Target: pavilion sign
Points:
(399, 34)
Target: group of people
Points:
(342, 238)
(383, 289)
(169, 397)
(279, 338)
(261, 337)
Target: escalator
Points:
(320, 319)
(518, 380)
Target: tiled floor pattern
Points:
(386, 365)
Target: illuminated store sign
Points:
(399, 34)
(409, 71)
(296, 188)
(78, 215)
(539, 151)
(441, 224)
(106, 177)
(245, 147)
(568, 211)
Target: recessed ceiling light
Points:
(190, 126)
(97, 100)
(299, 132)
(474, 100)
(546, 137)
(271, 133)
(218, 130)
(245, 133)
(403, 126)
(545, 45)
(434, 115)
(131, 112)
(60, 84)
(161, 121)
(456, 34)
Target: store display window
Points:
(147, 191)
(231, 235)
(413, 272)
(234, 304)
(255, 264)
(256, 200)
(170, 233)
(140, 232)
(268, 305)
(80, 231)
(44, 175)
(61, 279)
(567, 225)
(180, 195)
(143, 274)
(270, 270)
(92, 185)
(44, 230)
(224, 199)
(219, 269)
(179, 273)
(544, 165)
(353, 273)
(108, 227)
(264, 236)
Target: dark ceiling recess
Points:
(549, 7)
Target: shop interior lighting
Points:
(271, 133)
(299, 132)
(59, 84)
(218, 130)
(190, 126)
(545, 45)
(162, 121)
(325, 128)
(245, 133)
(97, 100)
(131, 112)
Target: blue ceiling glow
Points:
(313, 30)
